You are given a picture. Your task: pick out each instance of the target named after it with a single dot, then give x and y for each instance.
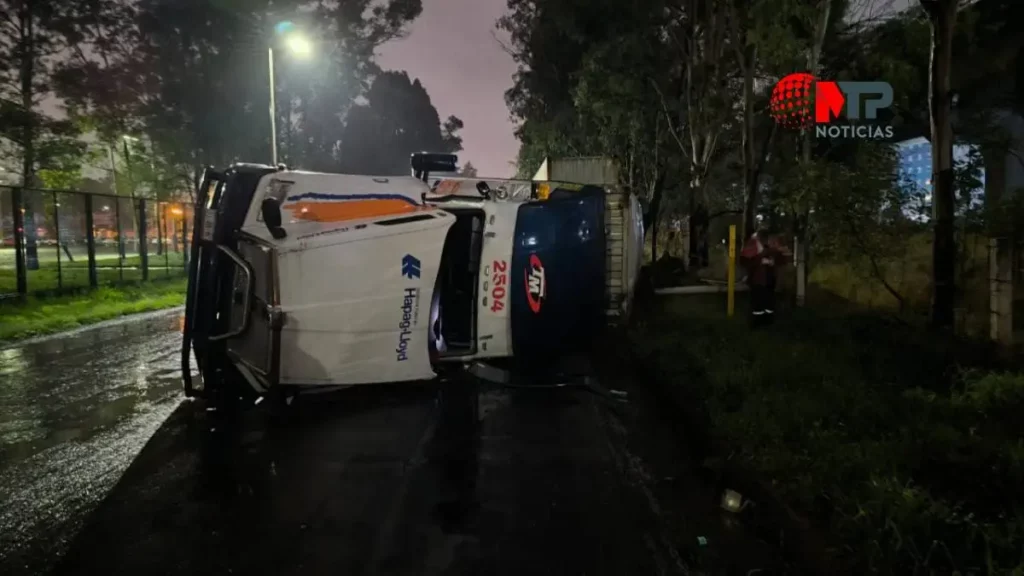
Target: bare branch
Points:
(506, 48)
(668, 117)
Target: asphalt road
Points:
(106, 470)
(74, 412)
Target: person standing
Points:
(763, 255)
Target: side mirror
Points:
(271, 210)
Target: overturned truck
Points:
(303, 280)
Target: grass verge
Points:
(904, 451)
(66, 274)
(38, 316)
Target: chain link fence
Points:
(59, 240)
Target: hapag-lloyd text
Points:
(410, 317)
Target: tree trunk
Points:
(801, 250)
(28, 132)
(943, 19)
(698, 220)
(653, 212)
(749, 161)
(692, 241)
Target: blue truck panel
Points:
(558, 274)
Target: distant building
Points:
(915, 169)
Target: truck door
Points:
(557, 274)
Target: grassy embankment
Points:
(38, 316)
(903, 451)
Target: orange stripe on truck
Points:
(342, 208)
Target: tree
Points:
(32, 33)
(192, 76)
(397, 121)
(468, 170)
(942, 14)
(619, 106)
(764, 47)
(549, 40)
(588, 82)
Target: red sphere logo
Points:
(791, 104)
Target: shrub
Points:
(918, 449)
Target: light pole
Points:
(297, 45)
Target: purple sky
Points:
(451, 49)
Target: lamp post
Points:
(296, 44)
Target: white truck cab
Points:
(313, 279)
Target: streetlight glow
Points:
(299, 45)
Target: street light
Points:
(299, 46)
(296, 44)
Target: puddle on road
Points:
(84, 383)
(74, 412)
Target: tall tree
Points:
(193, 75)
(468, 170)
(397, 120)
(549, 40)
(619, 105)
(32, 34)
(942, 14)
(702, 42)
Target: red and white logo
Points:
(800, 101)
(499, 281)
(536, 284)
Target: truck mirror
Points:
(483, 189)
(271, 210)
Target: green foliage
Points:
(33, 36)
(36, 317)
(189, 80)
(921, 471)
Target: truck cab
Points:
(302, 279)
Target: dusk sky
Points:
(452, 50)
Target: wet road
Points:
(74, 412)
(107, 471)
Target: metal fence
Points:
(57, 240)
